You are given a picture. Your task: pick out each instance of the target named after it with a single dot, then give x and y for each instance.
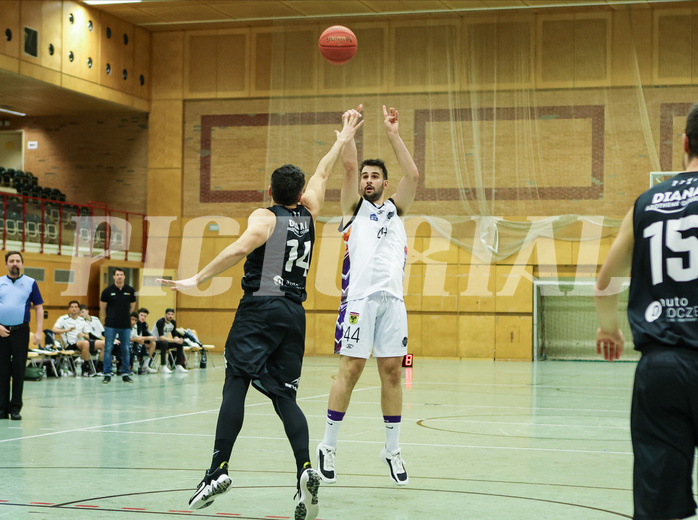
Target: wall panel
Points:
(592, 50)
(200, 64)
(10, 28)
(476, 335)
(165, 134)
(47, 18)
(632, 52)
(117, 54)
(80, 42)
(233, 78)
(167, 65)
(513, 338)
(424, 53)
(142, 76)
(498, 52)
(673, 31)
(555, 46)
(284, 49)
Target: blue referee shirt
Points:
(16, 297)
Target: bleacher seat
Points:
(51, 231)
(85, 235)
(11, 227)
(31, 230)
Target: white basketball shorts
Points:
(376, 324)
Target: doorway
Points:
(12, 149)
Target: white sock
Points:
(392, 436)
(334, 421)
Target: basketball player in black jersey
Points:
(267, 340)
(658, 243)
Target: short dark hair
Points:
(71, 302)
(10, 253)
(168, 310)
(84, 307)
(134, 315)
(375, 162)
(119, 269)
(143, 309)
(692, 131)
(287, 184)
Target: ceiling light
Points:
(4, 111)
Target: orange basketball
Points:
(337, 44)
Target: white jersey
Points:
(375, 251)
(65, 322)
(94, 326)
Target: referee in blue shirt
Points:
(17, 293)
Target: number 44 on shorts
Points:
(349, 335)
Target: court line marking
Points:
(526, 385)
(381, 443)
(151, 419)
(507, 423)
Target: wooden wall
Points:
(579, 58)
(592, 58)
(90, 157)
(76, 44)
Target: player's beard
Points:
(375, 194)
(14, 271)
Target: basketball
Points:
(337, 44)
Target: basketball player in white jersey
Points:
(372, 316)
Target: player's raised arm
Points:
(407, 188)
(314, 195)
(260, 226)
(350, 185)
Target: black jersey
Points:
(663, 299)
(280, 266)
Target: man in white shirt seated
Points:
(94, 330)
(72, 327)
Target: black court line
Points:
(421, 422)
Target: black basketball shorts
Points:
(266, 343)
(664, 429)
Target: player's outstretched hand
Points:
(390, 120)
(610, 344)
(351, 121)
(179, 285)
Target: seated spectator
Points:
(168, 337)
(95, 332)
(72, 327)
(142, 341)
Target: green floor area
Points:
(481, 439)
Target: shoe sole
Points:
(223, 486)
(305, 510)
